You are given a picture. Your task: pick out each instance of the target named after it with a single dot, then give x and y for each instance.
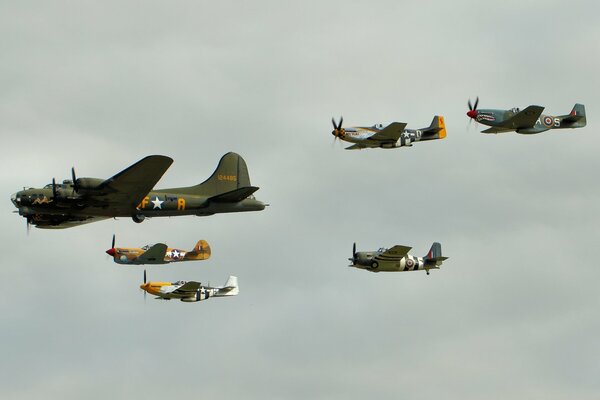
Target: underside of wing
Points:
(524, 119)
(70, 223)
(497, 130)
(126, 189)
(154, 255)
(356, 146)
(394, 253)
(390, 133)
(188, 288)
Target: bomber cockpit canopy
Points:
(179, 283)
(515, 110)
(58, 186)
(378, 126)
(382, 249)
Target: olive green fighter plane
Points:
(130, 194)
(527, 121)
(391, 136)
(397, 259)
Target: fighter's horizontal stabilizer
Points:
(434, 257)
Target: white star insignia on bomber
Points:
(157, 203)
(174, 254)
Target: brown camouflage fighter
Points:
(158, 253)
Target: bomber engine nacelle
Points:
(88, 183)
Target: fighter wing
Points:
(154, 255)
(497, 130)
(524, 119)
(125, 190)
(188, 288)
(394, 253)
(390, 133)
(356, 146)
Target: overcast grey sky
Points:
(512, 314)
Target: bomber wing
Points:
(70, 223)
(390, 133)
(394, 253)
(154, 255)
(126, 189)
(524, 119)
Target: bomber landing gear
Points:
(427, 271)
(138, 218)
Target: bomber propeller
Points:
(75, 185)
(53, 188)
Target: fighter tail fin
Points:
(576, 118)
(437, 129)
(434, 257)
(229, 183)
(200, 252)
(231, 287)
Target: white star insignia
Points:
(157, 203)
(174, 254)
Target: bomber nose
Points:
(472, 114)
(13, 198)
(111, 252)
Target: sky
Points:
(100, 85)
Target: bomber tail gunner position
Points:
(527, 121)
(388, 137)
(397, 259)
(158, 253)
(191, 291)
(129, 194)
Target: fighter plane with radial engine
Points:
(387, 137)
(190, 292)
(397, 259)
(130, 194)
(527, 121)
(158, 253)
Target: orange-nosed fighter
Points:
(157, 254)
(189, 292)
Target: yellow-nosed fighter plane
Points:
(157, 254)
(191, 291)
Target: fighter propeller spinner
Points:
(527, 121)
(387, 137)
(397, 259)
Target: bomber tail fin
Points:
(437, 129)
(576, 118)
(229, 183)
(434, 258)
